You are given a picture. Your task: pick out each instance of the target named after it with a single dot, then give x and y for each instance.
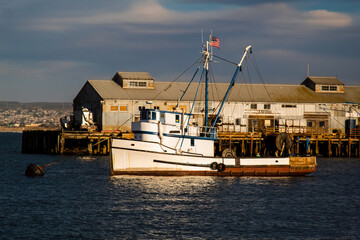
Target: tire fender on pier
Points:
(228, 152)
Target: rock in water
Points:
(34, 170)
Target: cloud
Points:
(47, 43)
(157, 19)
(326, 18)
(140, 12)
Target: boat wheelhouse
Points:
(172, 131)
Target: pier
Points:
(311, 141)
(60, 142)
(253, 144)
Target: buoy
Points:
(34, 170)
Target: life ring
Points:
(221, 167)
(213, 165)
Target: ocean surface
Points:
(78, 199)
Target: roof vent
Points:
(324, 84)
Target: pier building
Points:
(321, 104)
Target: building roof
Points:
(166, 91)
(135, 75)
(326, 80)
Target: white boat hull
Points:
(149, 158)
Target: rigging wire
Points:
(260, 76)
(192, 107)
(225, 60)
(246, 85)
(249, 76)
(197, 60)
(214, 89)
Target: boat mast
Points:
(206, 66)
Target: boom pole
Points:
(248, 49)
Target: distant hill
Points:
(32, 105)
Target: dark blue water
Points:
(77, 199)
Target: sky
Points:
(49, 49)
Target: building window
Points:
(133, 84)
(329, 88)
(253, 106)
(333, 88)
(266, 106)
(114, 108)
(142, 84)
(288, 106)
(123, 108)
(137, 84)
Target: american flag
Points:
(214, 41)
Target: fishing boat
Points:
(167, 144)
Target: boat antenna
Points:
(202, 36)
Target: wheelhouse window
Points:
(192, 142)
(153, 117)
(143, 115)
(177, 118)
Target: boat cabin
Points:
(174, 130)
